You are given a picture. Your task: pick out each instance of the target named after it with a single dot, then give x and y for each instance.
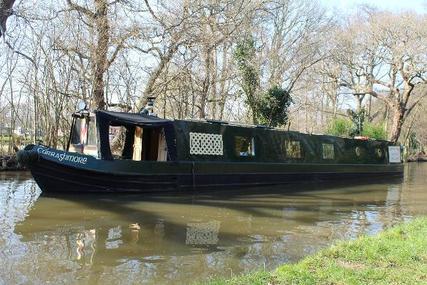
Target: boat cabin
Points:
(132, 136)
(117, 135)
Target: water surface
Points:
(179, 239)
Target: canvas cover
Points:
(105, 119)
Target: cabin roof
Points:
(119, 118)
(122, 118)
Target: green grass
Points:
(396, 256)
(5, 139)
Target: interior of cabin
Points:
(138, 143)
(149, 144)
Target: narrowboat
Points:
(139, 152)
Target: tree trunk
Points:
(152, 80)
(397, 122)
(213, 89)
(254, 109)
(103, 34)
(207, 56)
(5, 12)
(223, 87)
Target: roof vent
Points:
(216, 122)
(148, 109)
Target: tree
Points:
(292, 33)
(196, 44)
(5, 12)
(172, 26)
(98, 21)
(245, 58)
(383, 55)
(269, 108)
(273, 107)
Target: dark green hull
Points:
(53, 175)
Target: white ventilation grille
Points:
(206, 144)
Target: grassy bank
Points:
(396, 256)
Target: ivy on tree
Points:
(245, 57)
(269, 108)
(273, 107)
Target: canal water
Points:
(180, 239)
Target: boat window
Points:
(92, 134)
(292, 149)
(117, 135)
(75, 132)
(84, 136)
(244, 146)
(328, 151)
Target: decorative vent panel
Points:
(206, 144)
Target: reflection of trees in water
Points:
(85, 246)
(413, 198)
(181, 240)
(16, 199)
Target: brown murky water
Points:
(176, 239)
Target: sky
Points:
(420, 6)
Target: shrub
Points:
(343, 127)
(374, 131)
(339, 127)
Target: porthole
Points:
(358, 151)
(379, 152)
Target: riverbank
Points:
(396, 256)
(419, 157)
(9, 163)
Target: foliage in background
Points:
(245, 58)
(344, 127)
(376, 131)
(197, 57)
(273, 107)
(340, 127)
(414, 145)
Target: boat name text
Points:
(63, 156)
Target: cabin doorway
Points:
(149, 144)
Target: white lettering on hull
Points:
(61, 156)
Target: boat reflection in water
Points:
(167, 239)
